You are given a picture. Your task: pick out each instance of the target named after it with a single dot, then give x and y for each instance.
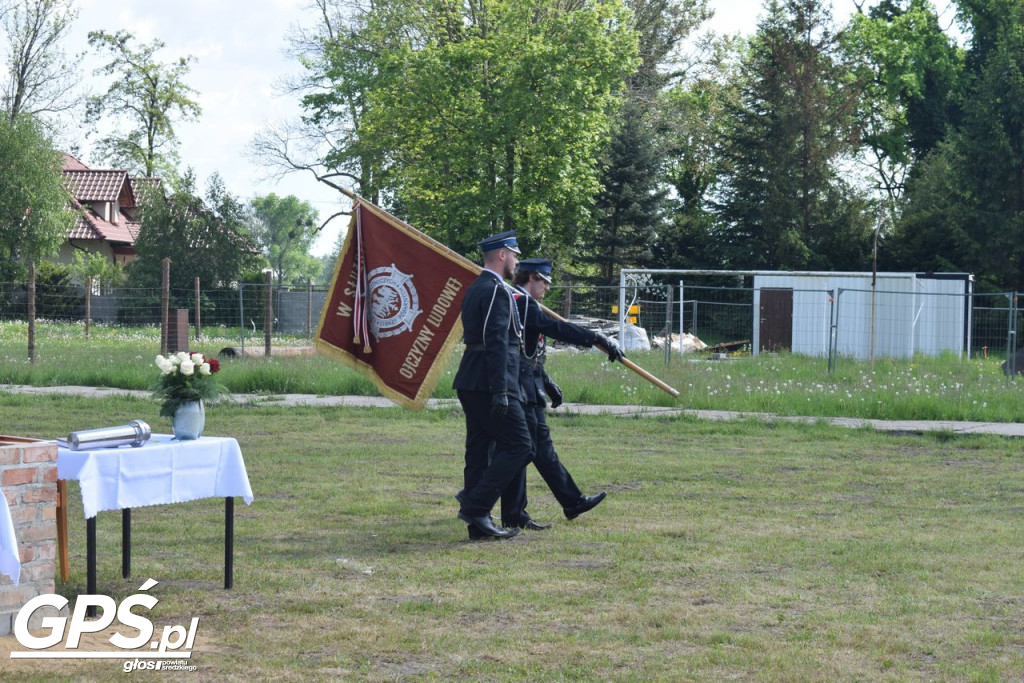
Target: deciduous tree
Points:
(284, 228)
(145, 99)
(338, 56)
(966, 210)
(490, 115)
(34, 215)
(208, 238)
(41, 80)
(991, 145)
(911, 73)
(104, 272)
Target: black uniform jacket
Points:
(537, 325)
(491, 331)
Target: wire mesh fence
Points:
(994, 324)
(899, 324)
(240, 311)
(584, 301)
(718, 315)
(844, 322)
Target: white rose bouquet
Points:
(186, 376)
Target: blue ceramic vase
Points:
(188, 421)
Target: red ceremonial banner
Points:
(393, 310)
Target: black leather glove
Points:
(499, 406)
(613, 350)
(553, 392)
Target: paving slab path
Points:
(896, 426)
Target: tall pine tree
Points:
(630, 205)
(784, 206)
(630, 208)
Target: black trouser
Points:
(558, 479)
(487, 473)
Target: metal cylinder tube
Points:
(134, 434)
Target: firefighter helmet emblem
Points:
(394, 303)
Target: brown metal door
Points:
(776, 329)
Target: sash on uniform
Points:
(392, 312)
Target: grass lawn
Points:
(921, 388)
(724, 551)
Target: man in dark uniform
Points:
(532, 281)
(487, 383)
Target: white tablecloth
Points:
(162, 470)
(10, 560)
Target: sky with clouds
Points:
(239, 47)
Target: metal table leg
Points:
(229, 542)
(90, 562)
(126, 543)
(126, 549)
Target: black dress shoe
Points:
(477, 535)
(586, 503)
(485, 525)
(529, 523)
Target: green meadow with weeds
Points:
(742, 550)
(924, 388)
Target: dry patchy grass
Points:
(751, 551)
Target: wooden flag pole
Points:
(649, 377)
(625, 361)
(456, 256)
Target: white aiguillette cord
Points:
(360, 320)
(513, 319)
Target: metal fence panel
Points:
(718, 314)
(862, 323)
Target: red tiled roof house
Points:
(105, 201)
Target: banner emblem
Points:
(390, 280)
(395, 302)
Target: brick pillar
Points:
(28, 479)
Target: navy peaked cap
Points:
(540, 266)
(502, 239)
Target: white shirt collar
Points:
(495, 274)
